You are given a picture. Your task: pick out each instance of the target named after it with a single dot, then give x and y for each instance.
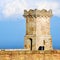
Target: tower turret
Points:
(38, 30)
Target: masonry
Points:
(37, 41)
(30, 55)
(38, 35)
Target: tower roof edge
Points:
(37, 12)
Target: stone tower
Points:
(38, 30)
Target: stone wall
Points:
(38, 29)
(29, 55)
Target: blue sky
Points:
(12, 23)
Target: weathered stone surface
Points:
(38, 29)
(30, 55)
(37, 13)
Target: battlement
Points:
(37, 13)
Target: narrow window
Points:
(31, 43)
(44, 42)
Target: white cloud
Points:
(55, 6)
(14, 7)
(17, 6)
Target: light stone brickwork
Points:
(37, 34)
(30, 55)
(38, 29)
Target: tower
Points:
(38, 30)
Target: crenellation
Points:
(37, 13)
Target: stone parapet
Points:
(37, 13)
(30, 55)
